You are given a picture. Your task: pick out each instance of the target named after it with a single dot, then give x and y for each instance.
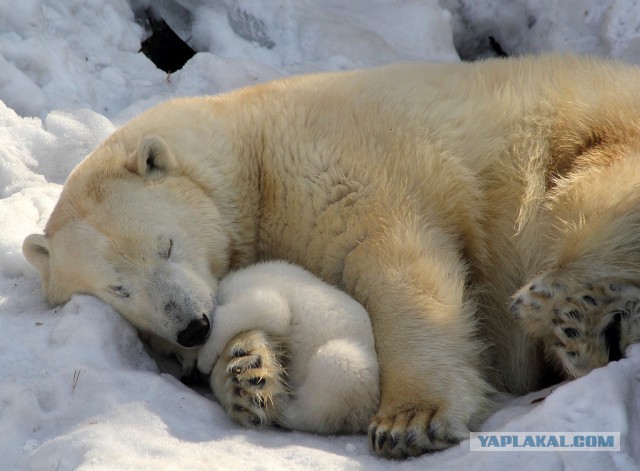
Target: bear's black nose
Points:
(195, 333)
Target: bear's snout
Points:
(196, 332)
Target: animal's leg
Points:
(413, 285)
(339, 393)
(249, 379)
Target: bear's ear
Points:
(36, 250)
(153, 158)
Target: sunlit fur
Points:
(329, 383)
(430, 193)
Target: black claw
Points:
(254, 420)
(432, 433)
(239, 353)
(532, 288)
(260, 402)
(411, 439)
(572, 333)
(518, 301)
(395, 439)
(624, 314)
(575, 314)
(568, 299)
(590, 299)
(257, 363)
(382, 439)
(239, 409)
(259, 382)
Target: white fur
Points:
(429, 192)
(332, 371)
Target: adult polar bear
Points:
(430, 193)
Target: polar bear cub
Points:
(326, 376)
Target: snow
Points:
(77, 387)
(601, 27)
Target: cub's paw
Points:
(412, 431)
(249, 379)
(585, 329)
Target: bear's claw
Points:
(250, 375)
(584, 329)
(412, 432)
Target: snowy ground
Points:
(77, 388)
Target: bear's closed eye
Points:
(166, 247)
(119, 291)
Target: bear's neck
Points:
(258, 148)
(221, 163)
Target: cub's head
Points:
(136, 229)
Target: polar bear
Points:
(431, 193)
(330, 383)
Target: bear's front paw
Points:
(412, 431)
(248, 379)
(585, 329)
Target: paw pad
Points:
(252, 378)
(585, 329)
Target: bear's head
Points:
(134, 228)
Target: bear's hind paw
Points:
(585, 329)
(595, 326)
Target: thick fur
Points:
(430, 193)
(325, 380)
